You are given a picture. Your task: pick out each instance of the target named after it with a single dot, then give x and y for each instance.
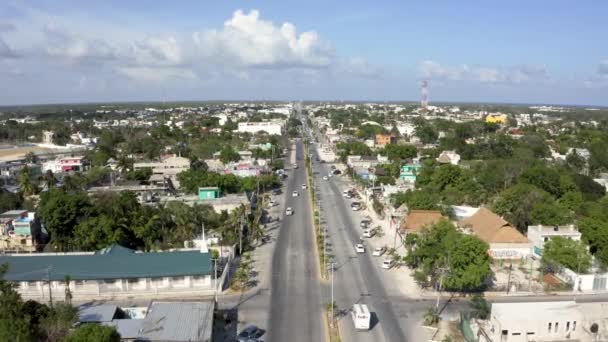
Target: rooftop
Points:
(417, 220)
(114, 262)
(492, 228)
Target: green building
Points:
(409, 172)
(208, 193)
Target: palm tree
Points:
(49, 179)
(26, 186)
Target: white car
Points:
(273, 203)
(378, 251)
(295, 194)
(360, 248)
(388, 263)
(295, 166)
(304, 186)
(289, 211)
(368, 233)
(325, 178)
(355, 206)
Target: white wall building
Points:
(540, 234)
(271, 127)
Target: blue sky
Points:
(482, 51)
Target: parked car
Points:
(325, 178)
(295, 194)
(368, 233)
(273, 203)
(378, 251)
(337, 172)
(289, 211)
(360, 248)
(355, 206)
(387, 263)
(251, 332)
(304, 186)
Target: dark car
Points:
(251, 332)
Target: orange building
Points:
(385, 139)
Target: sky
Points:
(67, 51)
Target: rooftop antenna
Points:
(424, 95)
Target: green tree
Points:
(31, 158)
(480, 306)
(93, 333)
(416, 199)
(59, 322)
(228, 154)
(564, 252)
(27, 187)
(9, 201)
(595, 233)
(399, 152)
(14, 325)
(61, 212)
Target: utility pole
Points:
(442, 271)
(48, 275)
(241, 236)
(332, 295)
(509, 278)
(215, 271)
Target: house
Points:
(417, 220)
(546, 321)
(409, 172)
(20, 230)
(505, 241)
(219, 204)
(170, 166)
(365, 162)
(385, 139)
(114, 271)
(540, 234)
(47, 137)
(160, 321)
(496, 118)
(208, 193)
(581, 152)
(449, 157)
(65, 164)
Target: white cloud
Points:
(485, 74)
(248, 40)
(156, 74)
(157, 51)
(73, 48)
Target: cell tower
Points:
(424, 95)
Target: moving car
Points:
(378, 251)
(388, 263)
(325, 178)
(251, 332)
(360, 248)
(273, 203)
(295, 166)
(361, 316)
(289, 211)
(295, 194)
(304, 186)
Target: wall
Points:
(510, 250)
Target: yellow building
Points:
(496, 118)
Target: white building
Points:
(546, 321)
(271, 127)
(64, 164)
(540, 234)
(449, 157)
(167, 167)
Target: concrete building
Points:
(365, 162)
(496, 118)
(546, 321)
(385, 139)
(112, 272)
(449, 157)
(170, 166)
(20, 231)
(206, 193)
(409, 171)
(160, 321)
(504, 240)
(275, 127)
(540, 234)
(65, 164)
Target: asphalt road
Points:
(296, 304)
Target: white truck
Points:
(361, 316)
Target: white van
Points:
(361, 316)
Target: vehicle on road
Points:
(333, 167)
(388, 263)
(361, 316)
(325, 178)
(368, 233)
(365, 223)
(295, 166)
(337, 172)
(347, 194)
(360, 248)
(304, 186)
(272, 203)
(251, 332)
(378, 251)
(356, 206)
(289, 211)
(295, 194)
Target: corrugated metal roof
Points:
(178, 321)
(97, 313)
(127, 328)
(110, 263)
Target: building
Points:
(160, 321)
(275, 127)
(112, 272)
(546, 321)
(208, 193)
(418, 220)
(385, 139)
(449, 157)
(20, 231)
(496, 118)
(219, 204)
(505, 241)
(47, 137)
(365, 162)
(65, 164)
(170, 166)
(540, 234)
(409, 172)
